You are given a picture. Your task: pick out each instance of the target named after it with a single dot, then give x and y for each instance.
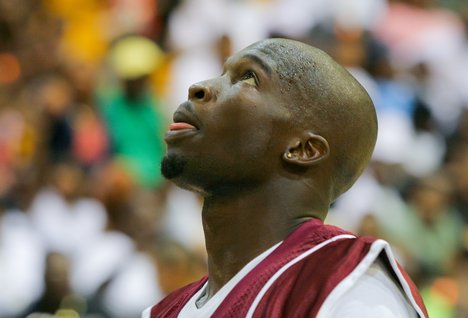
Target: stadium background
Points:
(88, 228)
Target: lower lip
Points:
(176, 132)
(180, 126)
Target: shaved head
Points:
(281, 108)
(325, 98)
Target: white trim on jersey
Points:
(146, 313)
(402, 279)
(363, 266)
(288, 265)
(190, 309)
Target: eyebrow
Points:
(260, 62)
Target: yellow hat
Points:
(135, 56)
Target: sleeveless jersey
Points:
(302, 277)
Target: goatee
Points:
(172, 166)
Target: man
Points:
(269, 145)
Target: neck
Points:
(239, 227)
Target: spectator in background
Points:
(56, 100)
(22, 255)
(67, 221)
(58, 294)
(461, 277)
(419, 31)
(458, 168)
(177, 266)
(90, 142)
(132, 113)
(447, 296)
(432, 233)
(117, 274)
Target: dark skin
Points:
(269, 144)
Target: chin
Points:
(174, 168)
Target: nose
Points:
(200, 92)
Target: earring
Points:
(289, 155)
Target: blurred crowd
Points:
(89, 228)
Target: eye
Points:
(250, 78)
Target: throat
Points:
(211, 293)
(239, 229)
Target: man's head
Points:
(281, 110)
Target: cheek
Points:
(242, 129)
(246, 124)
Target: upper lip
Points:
(186, 114)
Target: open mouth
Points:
(184, 118)
(184, 124)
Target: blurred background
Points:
(88, 227)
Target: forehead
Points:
(288, 60)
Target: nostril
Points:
(200, 94)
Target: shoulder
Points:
(375, 294)
(325, 274)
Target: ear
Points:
(307, 150)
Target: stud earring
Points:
(289, 155)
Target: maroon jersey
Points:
(302, 277)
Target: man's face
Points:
(231, 132)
